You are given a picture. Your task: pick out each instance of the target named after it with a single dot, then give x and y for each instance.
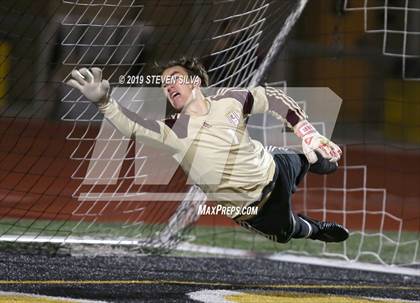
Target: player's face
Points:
(177, 88)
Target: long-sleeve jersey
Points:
(215, 149)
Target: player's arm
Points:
(280, 105)
(96, 89)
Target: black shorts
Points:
(275, 219)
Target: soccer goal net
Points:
(68, 177)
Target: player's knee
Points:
(283, 237)
(323, 166)
(283, 240)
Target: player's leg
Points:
(323, 230)
(318, 230)
(276, 221)
(323, 166)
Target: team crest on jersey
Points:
(234, 118)
(206, 125)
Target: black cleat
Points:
(327, 231)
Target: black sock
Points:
(303, 228)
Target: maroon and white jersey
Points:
(215, 150)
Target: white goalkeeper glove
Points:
(90, 84)
(313, 141)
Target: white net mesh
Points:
(399, 23)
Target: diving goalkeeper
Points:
(208, 137)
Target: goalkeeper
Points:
(208, 137)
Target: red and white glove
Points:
(313, 141)
(90, 84)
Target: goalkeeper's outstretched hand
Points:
(313, 141)
(90, 84)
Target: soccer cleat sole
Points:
(335, 233)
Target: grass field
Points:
(388, 248)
